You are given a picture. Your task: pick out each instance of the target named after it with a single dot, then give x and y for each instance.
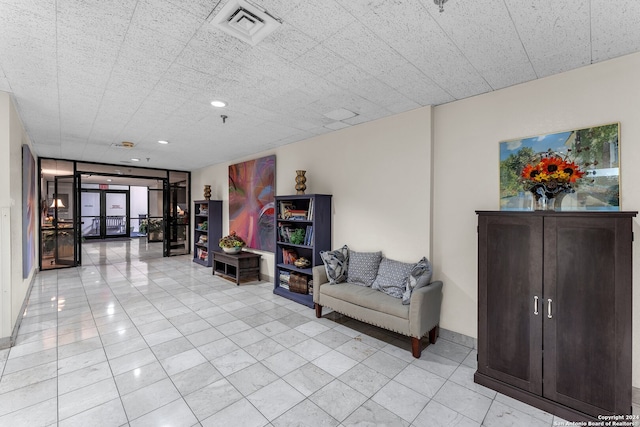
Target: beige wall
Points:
(13, 287)
(378, 174)
(466, 137)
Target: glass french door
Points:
(104, 213)
(64, 223)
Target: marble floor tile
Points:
(195, 378)
(87, 397)
(335, 363)
(27, 377)
(438, 415)
(284, 362)
(175, 414)
(373, 414)
(83, 377)
(228, 416)
(30, 360)
(385, 363)
(233, 362)
(41, 414)
(183, 361)
(131, 361)
(27, 396)
(308, 379)
(275, 399)
(501, 415)
(401, 400)
(140, 377)
(468, 403)
(107, 414)
(212, 398)
(366, 380)
(149, 398)
(338, 399)
(264, 349)
(252, 378)
(305, 412)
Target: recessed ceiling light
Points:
(109, 180)
(135, 160)
(163, 142)
(218, 103)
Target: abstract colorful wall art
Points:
(29, 210)
(251, 202)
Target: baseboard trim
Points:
(7, 342)
(459, 338)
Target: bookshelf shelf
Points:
(205, 241)
(312, 214)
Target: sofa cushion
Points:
(366, 297)
(391, 277)
(420, 276)
(335, 264)
(363, 267)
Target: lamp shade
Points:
(57, 203)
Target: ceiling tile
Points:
(614, 34)
(167, 18)
(556, 35)
(482, 30)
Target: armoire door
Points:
(510, 299)
(587, 315)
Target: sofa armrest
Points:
(319, 279)
(424, 309)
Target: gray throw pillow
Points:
(420, 276)
(392, 276)
(363, 267)
(335, 264)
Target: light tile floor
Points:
(133, 339)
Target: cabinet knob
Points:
(535, 305)
(549, 315)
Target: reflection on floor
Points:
(132, 247)
(131, 338)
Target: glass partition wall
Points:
(92, 202)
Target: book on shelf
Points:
(289, 256)
(202, 254)
(310, 212)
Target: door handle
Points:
(549, 315)
(535, 305)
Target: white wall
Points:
(138, 200)
(377, 172)
(466, 137)
(13, 287)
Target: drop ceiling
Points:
(89, 74)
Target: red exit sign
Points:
(104, 186)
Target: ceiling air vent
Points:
(246, 21)
(123, 144)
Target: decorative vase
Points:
(233, 250)
(207, 192)
(548, 197)
(300, 182)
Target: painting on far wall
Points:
(584, 162)
(29, 210)
(251, 202)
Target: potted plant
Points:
(154, 228)
(232, 243)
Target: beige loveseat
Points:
(363, 303)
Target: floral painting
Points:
(580, 168)
(251, 202)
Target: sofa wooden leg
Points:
(318, 310)
(416, 348)
(434, 334)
